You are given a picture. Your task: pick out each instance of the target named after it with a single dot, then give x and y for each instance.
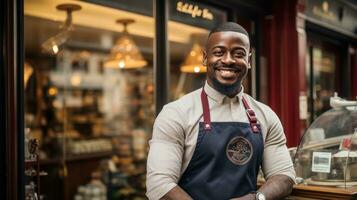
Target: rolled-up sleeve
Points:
(276, 158)
(165, 154)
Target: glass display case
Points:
(327, 153)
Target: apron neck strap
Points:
(206, 112)
(207, 115)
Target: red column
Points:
(285, 47)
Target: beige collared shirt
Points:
(176, 129)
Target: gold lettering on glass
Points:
(194, 10)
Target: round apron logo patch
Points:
(239, 150)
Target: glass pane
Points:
(88, 98)
(324, 66)
(188, 28)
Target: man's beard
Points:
(229, 90)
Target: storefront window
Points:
(324, 72)
(88, 99)
(188, 28)
(322, 77)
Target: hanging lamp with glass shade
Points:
(125, 54)
(194, 60)
(53, 44)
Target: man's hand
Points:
(176, 193)
(277, 187)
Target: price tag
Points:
(321, 162)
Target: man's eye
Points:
(239, 54)
(218, 53)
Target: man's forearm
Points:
(176, 193)
(277, 187)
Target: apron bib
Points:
(226, 159)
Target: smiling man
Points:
(211, 143)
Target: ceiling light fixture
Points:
(194, 59)
(125, 54)
(53, 44)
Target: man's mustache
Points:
(217, 66)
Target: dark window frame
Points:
(12, 100)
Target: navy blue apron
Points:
(226, 159)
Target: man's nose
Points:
(228, 59)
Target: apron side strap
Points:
(251, 116)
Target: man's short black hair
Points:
(229, 26)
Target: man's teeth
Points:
(226, 72)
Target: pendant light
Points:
(194, 60)
(125, 54)
(53, 44)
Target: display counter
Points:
(326, 158)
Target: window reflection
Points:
(186, 70)
(322, 75)
(92, 121)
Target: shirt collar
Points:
(219, 97)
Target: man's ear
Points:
(204, 63)
(250, 60)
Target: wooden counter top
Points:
(320, 192)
